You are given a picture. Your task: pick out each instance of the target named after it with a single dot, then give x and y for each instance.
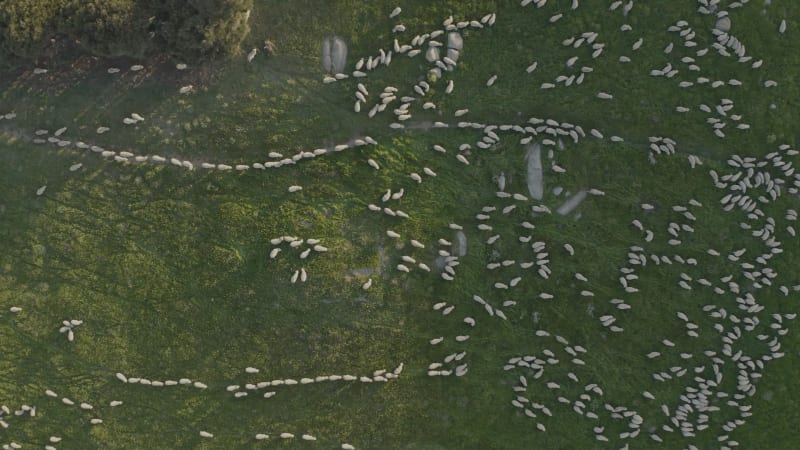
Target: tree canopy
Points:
(186, 29)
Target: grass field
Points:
(169, 268)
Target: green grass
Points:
(169, 269)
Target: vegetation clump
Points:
(190, 30)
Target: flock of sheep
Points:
(716, 383)
(738, 290)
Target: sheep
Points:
(397, 195)
(295, 188)
(373, 164)
(408, 259)
(50, 393)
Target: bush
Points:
(202, 28)
(107, 28)
(26, 26)
(189, 30)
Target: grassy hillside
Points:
(169, 268)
